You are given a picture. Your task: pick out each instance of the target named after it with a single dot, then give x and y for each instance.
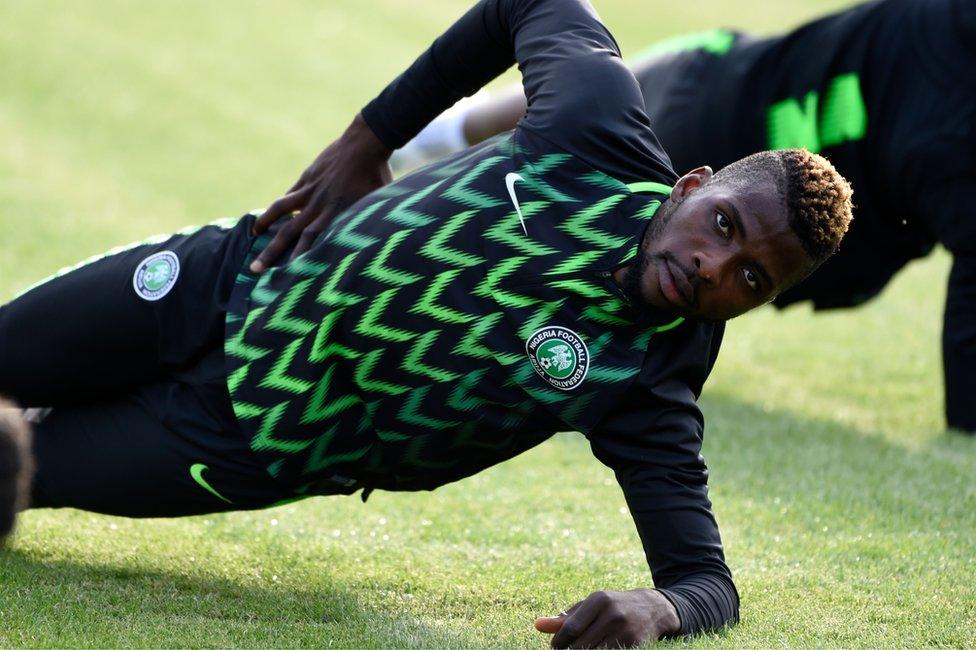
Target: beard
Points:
(634, 279)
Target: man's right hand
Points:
(612, 619)
(347, 170)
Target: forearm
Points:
(684, 552)
(703, 602)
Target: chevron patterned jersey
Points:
(444, 323)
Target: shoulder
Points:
(596, 112)
(592, 91)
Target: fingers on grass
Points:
(549, 624)
(596, 633)
(581, 617)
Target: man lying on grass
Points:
(558, 277)
(905, 140)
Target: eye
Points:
(724, 224)
(751, 279)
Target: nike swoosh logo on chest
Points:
(510, 179)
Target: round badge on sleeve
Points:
(156, 275)
(559, 356)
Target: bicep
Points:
(594, 94)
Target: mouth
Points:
(675, 286)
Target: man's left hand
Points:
(347, 170)
(612, 619)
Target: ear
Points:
(690, 182)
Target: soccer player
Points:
(560, 276)
(886, 90)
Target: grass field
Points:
(849, 514)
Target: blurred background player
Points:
(885, 89)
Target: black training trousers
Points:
(128, 350)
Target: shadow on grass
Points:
(60, 602)
(768, 454)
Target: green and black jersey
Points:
(466, 312)
(401, 351)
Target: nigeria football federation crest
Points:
(156, 275)
(559, 355)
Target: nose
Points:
(710, 266)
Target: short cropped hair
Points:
(816, 196)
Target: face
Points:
(714, 252)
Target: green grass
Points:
(849, 514)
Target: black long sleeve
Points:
(581, 96)
(652, 440)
